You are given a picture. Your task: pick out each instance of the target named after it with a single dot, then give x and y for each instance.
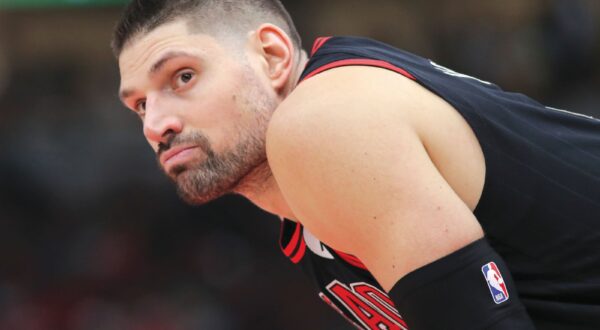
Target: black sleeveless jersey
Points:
(540, 207)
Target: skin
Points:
(369, 161)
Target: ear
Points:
(277, 52)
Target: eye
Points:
(183, 78)
(140, 107)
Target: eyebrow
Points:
(157, 66)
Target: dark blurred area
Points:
(93, 236)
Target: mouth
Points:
(176, 156)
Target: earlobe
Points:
(277, 51)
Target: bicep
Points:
(356, 173)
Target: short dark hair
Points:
(210, 16)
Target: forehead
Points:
(140, 52)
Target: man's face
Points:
(205, 110)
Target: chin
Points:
(196, 189)
(197, 199)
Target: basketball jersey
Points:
(540, 207)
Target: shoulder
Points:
(361, 94)
(340, 101)
(331, 124)
(359, 104)
(348, 151)
(374, 101)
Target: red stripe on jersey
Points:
(354, 261)
(301, 250)
(293, 242)
(318, 44)
(361, 61)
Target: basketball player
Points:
(415, 196)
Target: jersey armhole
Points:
(291, 240)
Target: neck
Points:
(264, 192)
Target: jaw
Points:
(243, 172)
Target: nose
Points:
(160, 120)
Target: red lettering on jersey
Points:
(337, 309)
(362, 307)
(379, 300)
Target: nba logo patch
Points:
(495, 282)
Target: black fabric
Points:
(453, 293)
(327, 269)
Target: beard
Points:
(240, 168)
(217, 174)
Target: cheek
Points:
(216, 111)
(217, 115)
(223, 104)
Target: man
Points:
(444, 202)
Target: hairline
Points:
(199, 28)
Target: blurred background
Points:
(92, 236)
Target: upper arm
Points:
(349, 159)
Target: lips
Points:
(174, 153)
